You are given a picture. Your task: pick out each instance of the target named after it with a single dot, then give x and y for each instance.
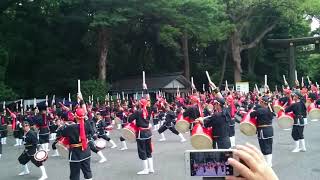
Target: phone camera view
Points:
(211, 164)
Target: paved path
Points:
(169, 159)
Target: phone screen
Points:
(210, 164)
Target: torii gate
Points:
(291, 44)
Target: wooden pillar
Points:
(317, 46)
(292, 64)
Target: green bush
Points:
(96, 88)
(6, 93)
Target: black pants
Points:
(24, 158)
(297, 132)
(43, 138)
(3, 133)
(85, 168)
(266, 145)
(92, 147)
(222, 142)
(231, 131)
(122, 139)
(54, 147)
(0, 146)
(18, 134)
(144, 148)
(155, 121)
(164, 128)
(104, 136)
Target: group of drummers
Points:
(210, 119)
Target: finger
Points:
(244, 171)
(254, 148)
(250, 152)
(249, 160)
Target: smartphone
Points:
(209, 163)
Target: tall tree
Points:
(244, 13)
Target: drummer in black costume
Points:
(123, 116)
(4, 125)
(79, 153)
(42, 123)
(101, 130)
(169, 123)
(219, 122)
(17, 128)
(58, 133)
(300, 111)
(91, 136)
(264, 128)
(144, 135)
(31, 142)
(192, 112)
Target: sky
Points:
(315, 24)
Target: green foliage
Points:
(313, 67)
(45, 45)
(6, 93)
(98, 89)
(3, 63)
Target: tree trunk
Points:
(252, 56)
(223, 68)
(103, 47)
(236, 55)
(185, 52)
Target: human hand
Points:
(256, 169)
(144, 86)
(79, 96)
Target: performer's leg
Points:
(86, 169)
(161, 130)
(141, 145)
(214, 143)
(5, 134)
(46, 142)
(266, 149)
(1, 148)
(74, 170)
(223, 143)
(55, 150)
(16, 136)
(232, 136)
(301, 139)
(174, 131)
(149, 155)
(156, 124)
(43, 173)
(23, 160)
(107, 138)
(124, 144)
(295, 136)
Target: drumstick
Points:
(4, 105)
(53, 100)
(226, 88)
(79, 89)
(34, 102)
(284, 79)
(69, 97)
(265, 80)
(308, 80)
(296, 74)
(257, 88)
